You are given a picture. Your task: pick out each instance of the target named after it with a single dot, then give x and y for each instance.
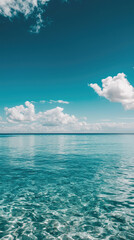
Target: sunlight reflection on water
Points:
(67, 187)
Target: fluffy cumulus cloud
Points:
(11, 8)
(52, 117)
(116, 89)
(25, 119)
(21, 113)
(56, 117)
(51, 120)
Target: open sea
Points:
(67, 187)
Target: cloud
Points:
(21, 113)
(56, 117)
(51, 101)
(59, 101)
(11, 8)
(23, 118)
(28, 8)
(39, 23)
(116, 89)
(53, 117)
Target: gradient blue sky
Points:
(82, 42)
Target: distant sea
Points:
(67, 187)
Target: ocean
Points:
(67, 187)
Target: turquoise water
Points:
(67, 187)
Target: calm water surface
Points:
(67, 187)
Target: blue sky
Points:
(53, 51)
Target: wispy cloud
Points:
(116, 89)
(11, 8)
(51, 101)
(58, 101)
(39, 23)
(28, 8)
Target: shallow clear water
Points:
(67, 187)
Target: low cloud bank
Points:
(25, 114)
(25, 119)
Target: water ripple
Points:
(52, 190)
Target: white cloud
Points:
(39, 23)
(51, 101)
(11, 8)
(116, 89)
(21, 113)
(56, 117)
(24, 119)
(59, 101)
(51, 118)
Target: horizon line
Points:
(71, 133)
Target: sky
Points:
(66, 66)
